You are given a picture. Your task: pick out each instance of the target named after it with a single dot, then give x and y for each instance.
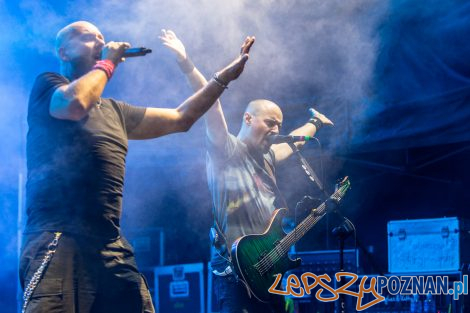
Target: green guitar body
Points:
(248, 251)
(258, 259)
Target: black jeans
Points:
(232, 297)
(84, 275)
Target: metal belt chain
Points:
(33, 283)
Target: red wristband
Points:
(107, 66)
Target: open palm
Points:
(169, 39)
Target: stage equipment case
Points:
(428, 245)
(179, 288)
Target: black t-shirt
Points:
(76, 168)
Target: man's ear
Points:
(62, 54)
(247, 118)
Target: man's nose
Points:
(100, 41)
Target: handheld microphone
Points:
(275, 139)
(136, 52)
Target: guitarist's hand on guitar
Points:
(305, 206)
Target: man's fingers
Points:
(247, 44)
(168, 34)
(325, 120)
(234, 69)
(251, 41)
(116, 45)
(170, 46)
(164, 39)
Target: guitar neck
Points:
(280, 249)
(300, 230)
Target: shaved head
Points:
(79, 46)
(262, 118)
(260, 106)
(71, 30)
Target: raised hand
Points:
(246, 46)
(169, 39)
(325, 120)
(234, 69)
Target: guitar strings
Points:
(273, 256)
(267, 261)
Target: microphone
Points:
(136, 52)
(275, 139)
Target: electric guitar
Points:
(258, 258)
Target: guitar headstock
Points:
(342, 187)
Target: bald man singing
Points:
(241, 177)
(74, 257)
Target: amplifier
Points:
(428, 245)
(320, 262)
(179, 288)
(327, 261)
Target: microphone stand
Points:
(308, 169)
(314, 179)
(342, 232)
